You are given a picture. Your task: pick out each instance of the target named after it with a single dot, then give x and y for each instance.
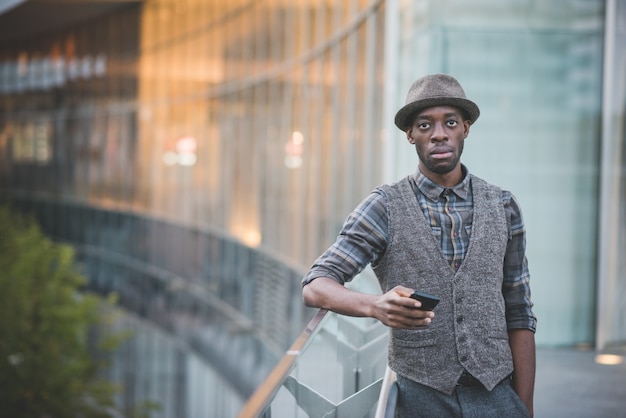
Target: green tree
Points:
(46, 363)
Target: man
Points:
(448, 233)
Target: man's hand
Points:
(395, 308)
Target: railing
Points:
(335, 368)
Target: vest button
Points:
(462, 339)
(463, 359)
(459, 320)
(458, 300)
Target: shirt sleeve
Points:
(362, 240)
(516, 284)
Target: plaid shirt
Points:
(363, 240)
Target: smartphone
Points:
(428, 301)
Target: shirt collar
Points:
(433, 191)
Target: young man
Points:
(445, 232)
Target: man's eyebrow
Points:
(429, 117)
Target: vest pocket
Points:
(414, 354)
(498, 348)
(413, 339)
(499, 335)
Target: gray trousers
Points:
(415, 400)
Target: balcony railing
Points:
(335, 368)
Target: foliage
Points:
(46, 366)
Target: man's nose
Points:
(439, 133)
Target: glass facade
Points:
(198, 155)
(239, 117)
(214, 149)
(254, 115)
(535, 70)
(157, 369)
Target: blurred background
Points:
(199, 154)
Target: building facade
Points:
(215, 148)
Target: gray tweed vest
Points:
(469, 329)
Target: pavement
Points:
(570, 383)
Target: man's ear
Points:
(466, 124)
(408, 137)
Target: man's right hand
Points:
(395, 308)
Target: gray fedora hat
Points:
(435, 90)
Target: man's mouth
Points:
(440, 154)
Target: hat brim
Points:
(467, 106)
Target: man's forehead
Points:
(446, 110)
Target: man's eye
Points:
(423, 125)
(452, 122)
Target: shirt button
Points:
(459, 320)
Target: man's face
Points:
(438, 134)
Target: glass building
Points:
(200, 154)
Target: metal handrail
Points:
(264, 394)
(388, 396)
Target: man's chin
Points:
(442, 169)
